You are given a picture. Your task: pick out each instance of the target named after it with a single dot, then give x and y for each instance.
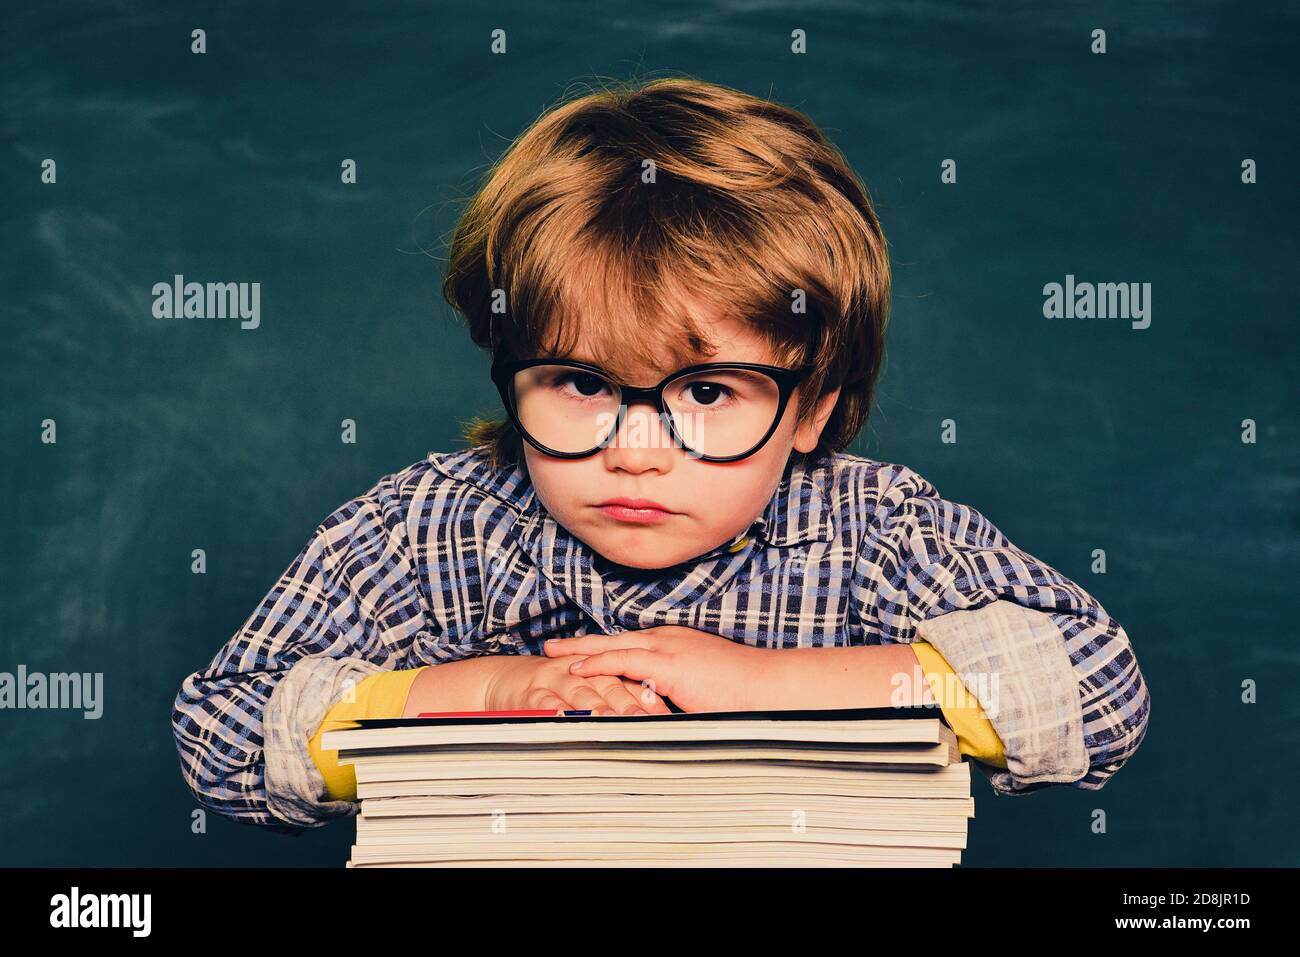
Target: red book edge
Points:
(486, 714)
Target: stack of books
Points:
(876, 787)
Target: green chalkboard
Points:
(1073, 434)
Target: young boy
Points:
(684, 292)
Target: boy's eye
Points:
(583, 383)
(707, 393)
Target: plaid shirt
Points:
(450, 558)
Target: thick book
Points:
(918, 725)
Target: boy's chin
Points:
(645, 556)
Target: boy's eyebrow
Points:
(692, 361)
(579, 356)
(573, 357)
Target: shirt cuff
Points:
(1014, 660)
(295, 788)
(381, 695)
(976, 736)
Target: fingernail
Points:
(575, 666)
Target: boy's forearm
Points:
(858, 677)
(452, 686)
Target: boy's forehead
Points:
(642, 352)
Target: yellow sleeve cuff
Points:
(381, 695)
(976, 736)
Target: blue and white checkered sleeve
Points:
(1056, 675)
(349, 605)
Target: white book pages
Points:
(663, 821)
(472, 770)
(786, 860)
(937, 808)
(940, 754)
(915, 784)
(899, 731)
(674, 837)
(754, 854)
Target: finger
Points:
(619, 698)
(542, 699)
(626, 662)
(644, 692)
(584, 697)
(590, 644)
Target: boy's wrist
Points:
(494, 671)
(778, 678)
(865, 676)
(494, 693)
(451, 686)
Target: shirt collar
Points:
(509, 483)
(800, 509)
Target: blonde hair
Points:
(749, 202)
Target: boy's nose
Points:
(643, 429)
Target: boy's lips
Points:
(642, 511)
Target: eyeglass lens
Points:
(717, 412)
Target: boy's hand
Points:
(698, 671)
(532, 682)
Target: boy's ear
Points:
(809, 431)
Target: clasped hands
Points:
(697, 671)
(631, 673)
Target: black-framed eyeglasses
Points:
(716, 411)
